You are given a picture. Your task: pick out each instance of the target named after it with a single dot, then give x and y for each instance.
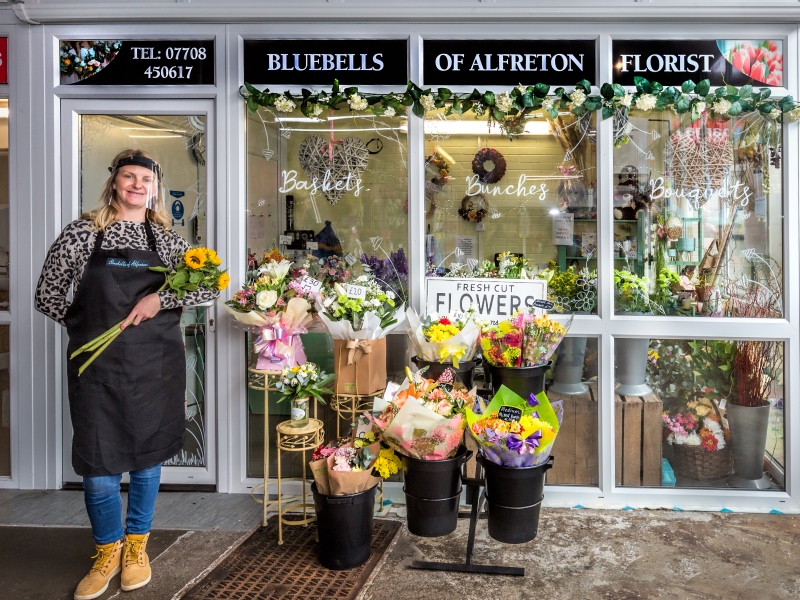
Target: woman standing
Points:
(127, 408)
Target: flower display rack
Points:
(474, 485)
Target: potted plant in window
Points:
(756, 366)
(630, 354)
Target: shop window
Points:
(512, 202)
(573, 383)
(699, 413)
(178, 144)
(698, 209)
(317, 188)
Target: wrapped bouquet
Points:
(525, 340)
(359, 315)
(443, 340)
(277, 308)
(513, 432)
(424, 419)
(345, 466)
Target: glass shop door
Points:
(179, 134)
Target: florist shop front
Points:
(637, 181)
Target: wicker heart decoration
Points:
(350, 158)
(699, 161)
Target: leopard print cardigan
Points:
(69, 254)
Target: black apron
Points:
(127, 408)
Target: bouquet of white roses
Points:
(359, 309)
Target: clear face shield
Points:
(153, 184)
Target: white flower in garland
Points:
(646, 102)
(700, 107)
(428, 102)
(547, 103)
(478, 108)
(775, 114)
(316, 110)
(284, 104)
(578, 97)
(356, 102)
(503, 102)
(626, 100)
(389, 112)
(522, 89)
(721, 106)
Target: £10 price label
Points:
(356, 291)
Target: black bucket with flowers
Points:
(424, 421)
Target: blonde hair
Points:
(107, 211)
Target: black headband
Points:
(138, 161)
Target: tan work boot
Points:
(108, 561)
(135, 562)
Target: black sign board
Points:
(671, 62)
(319, 62)
(508, 62)
(139, 62)
(509, 414)
(545, 304)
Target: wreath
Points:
(437, 166)
(484, 156)
(473, 208)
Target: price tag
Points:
(545, 304)
(509, 414)
(285, 239)
(350, 260)
(356, 291)
(312, 245)
(310, 285)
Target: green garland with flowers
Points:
(509, 108)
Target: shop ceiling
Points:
(411, 11)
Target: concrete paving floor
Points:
(578, 554)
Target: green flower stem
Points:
(98, 341)
(98, 352)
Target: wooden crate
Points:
(575, 449)
(638, 440)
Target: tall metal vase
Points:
(749, 438)
(568, 372)
(630, 361)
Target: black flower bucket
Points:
(464, 373)
(514, 498)
(433, 489)
(523, 381)
(344, 527)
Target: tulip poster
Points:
(758, 62)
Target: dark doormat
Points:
(259, 568)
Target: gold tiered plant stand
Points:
(296, 439)
(259, 379)
(347, 406)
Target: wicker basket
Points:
(694, 462)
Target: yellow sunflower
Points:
(223, 281)
(195, 258)
(213, 257)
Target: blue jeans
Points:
(104, 503)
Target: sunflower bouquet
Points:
(197, 269)
(276, 307)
